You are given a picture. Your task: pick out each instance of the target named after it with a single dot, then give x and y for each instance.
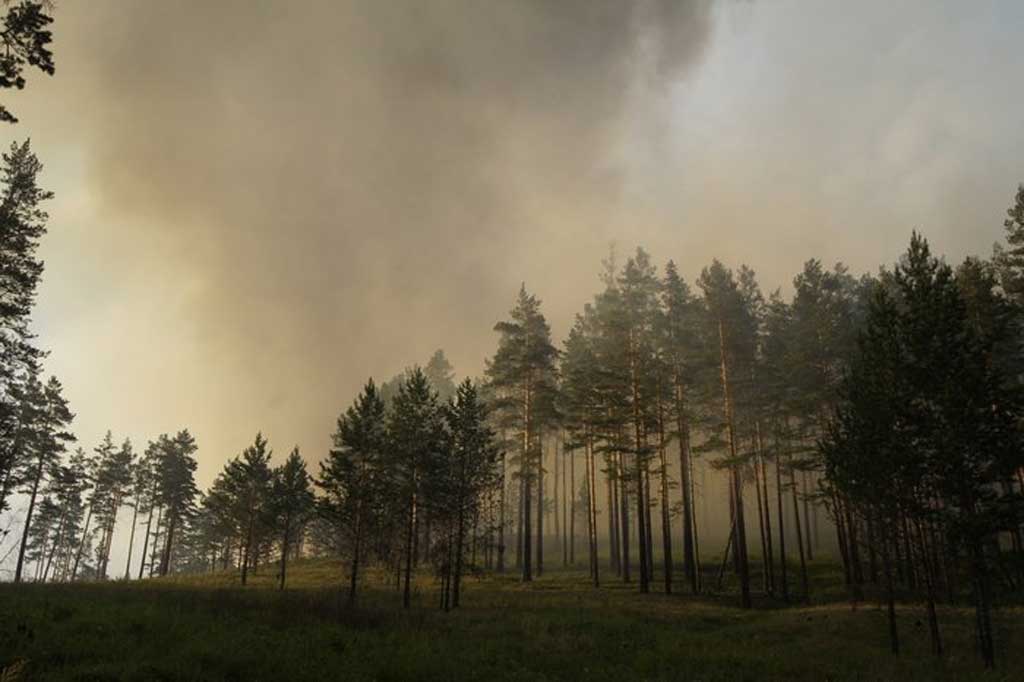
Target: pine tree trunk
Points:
(572, 509)
(666, 521)
(799, 535)
(540, 509)
(890, 598)
(613, 506)
(28, 519)
(592, 511)
(501, 516)
(696, 535)
(624, 521)
(686, 483)
(145, 542)
(58, 541)
(766, 581)
(737, 482)
(557, 514)
(156, 542)
(783, 579)
(81, 545)
(165, 566)
(807, 514)
(770, 558)
(131, 541)
(247, 553)
(409, 547)
(459, 538)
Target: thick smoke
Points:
(301, 195)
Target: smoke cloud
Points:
(260, 204)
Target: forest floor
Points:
(557, 628)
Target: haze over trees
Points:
(675, 421)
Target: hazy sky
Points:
(261, 204)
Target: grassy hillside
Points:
(208, 628)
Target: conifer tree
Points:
(471, 461)
(176, 489)
(248, 478)
(681, 352)
(729, 320)
(22, 225)
(45, 417)
(25, 40)
(353, 477)
(291, 503)
(415, 432)
(522, 373)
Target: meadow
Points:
(557, 628)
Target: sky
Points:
(260, 204)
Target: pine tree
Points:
(249, 478)
(416, 434)
(680, 349)
(176, 489)
(522, 373)
(353, 477)
(471, 470)
(729, 320)
(45, 416)
(291, 503)
(22, 225)
(25, 40)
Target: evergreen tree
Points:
(25, 41)
(248, 479)
(353, 477)
(680, 349)
(292, 502)
(729, 319)
(522, 375)
(22, 225)
(44, 418)
(176, 489)
(469, 470)
(416, 435)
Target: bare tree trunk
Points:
(353, 578)
(572, 508)
(459, 534)
(145, 542)
(799, 534)
(156, 543)
(784, 581)
(686, 483)
(409, 545)
(592, 511)
(807, 514)
(613, 516)
(540, 508)
(28, 519)
(501, 516)
(666, 521)
(81, 544)
(624, 522)
(770, 559)
(131, 541)
(737, 481)
(165, 567)
(890, 598)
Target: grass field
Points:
(557, 628)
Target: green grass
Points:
(559, 627)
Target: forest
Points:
(696, 465)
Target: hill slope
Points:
(559, 627)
